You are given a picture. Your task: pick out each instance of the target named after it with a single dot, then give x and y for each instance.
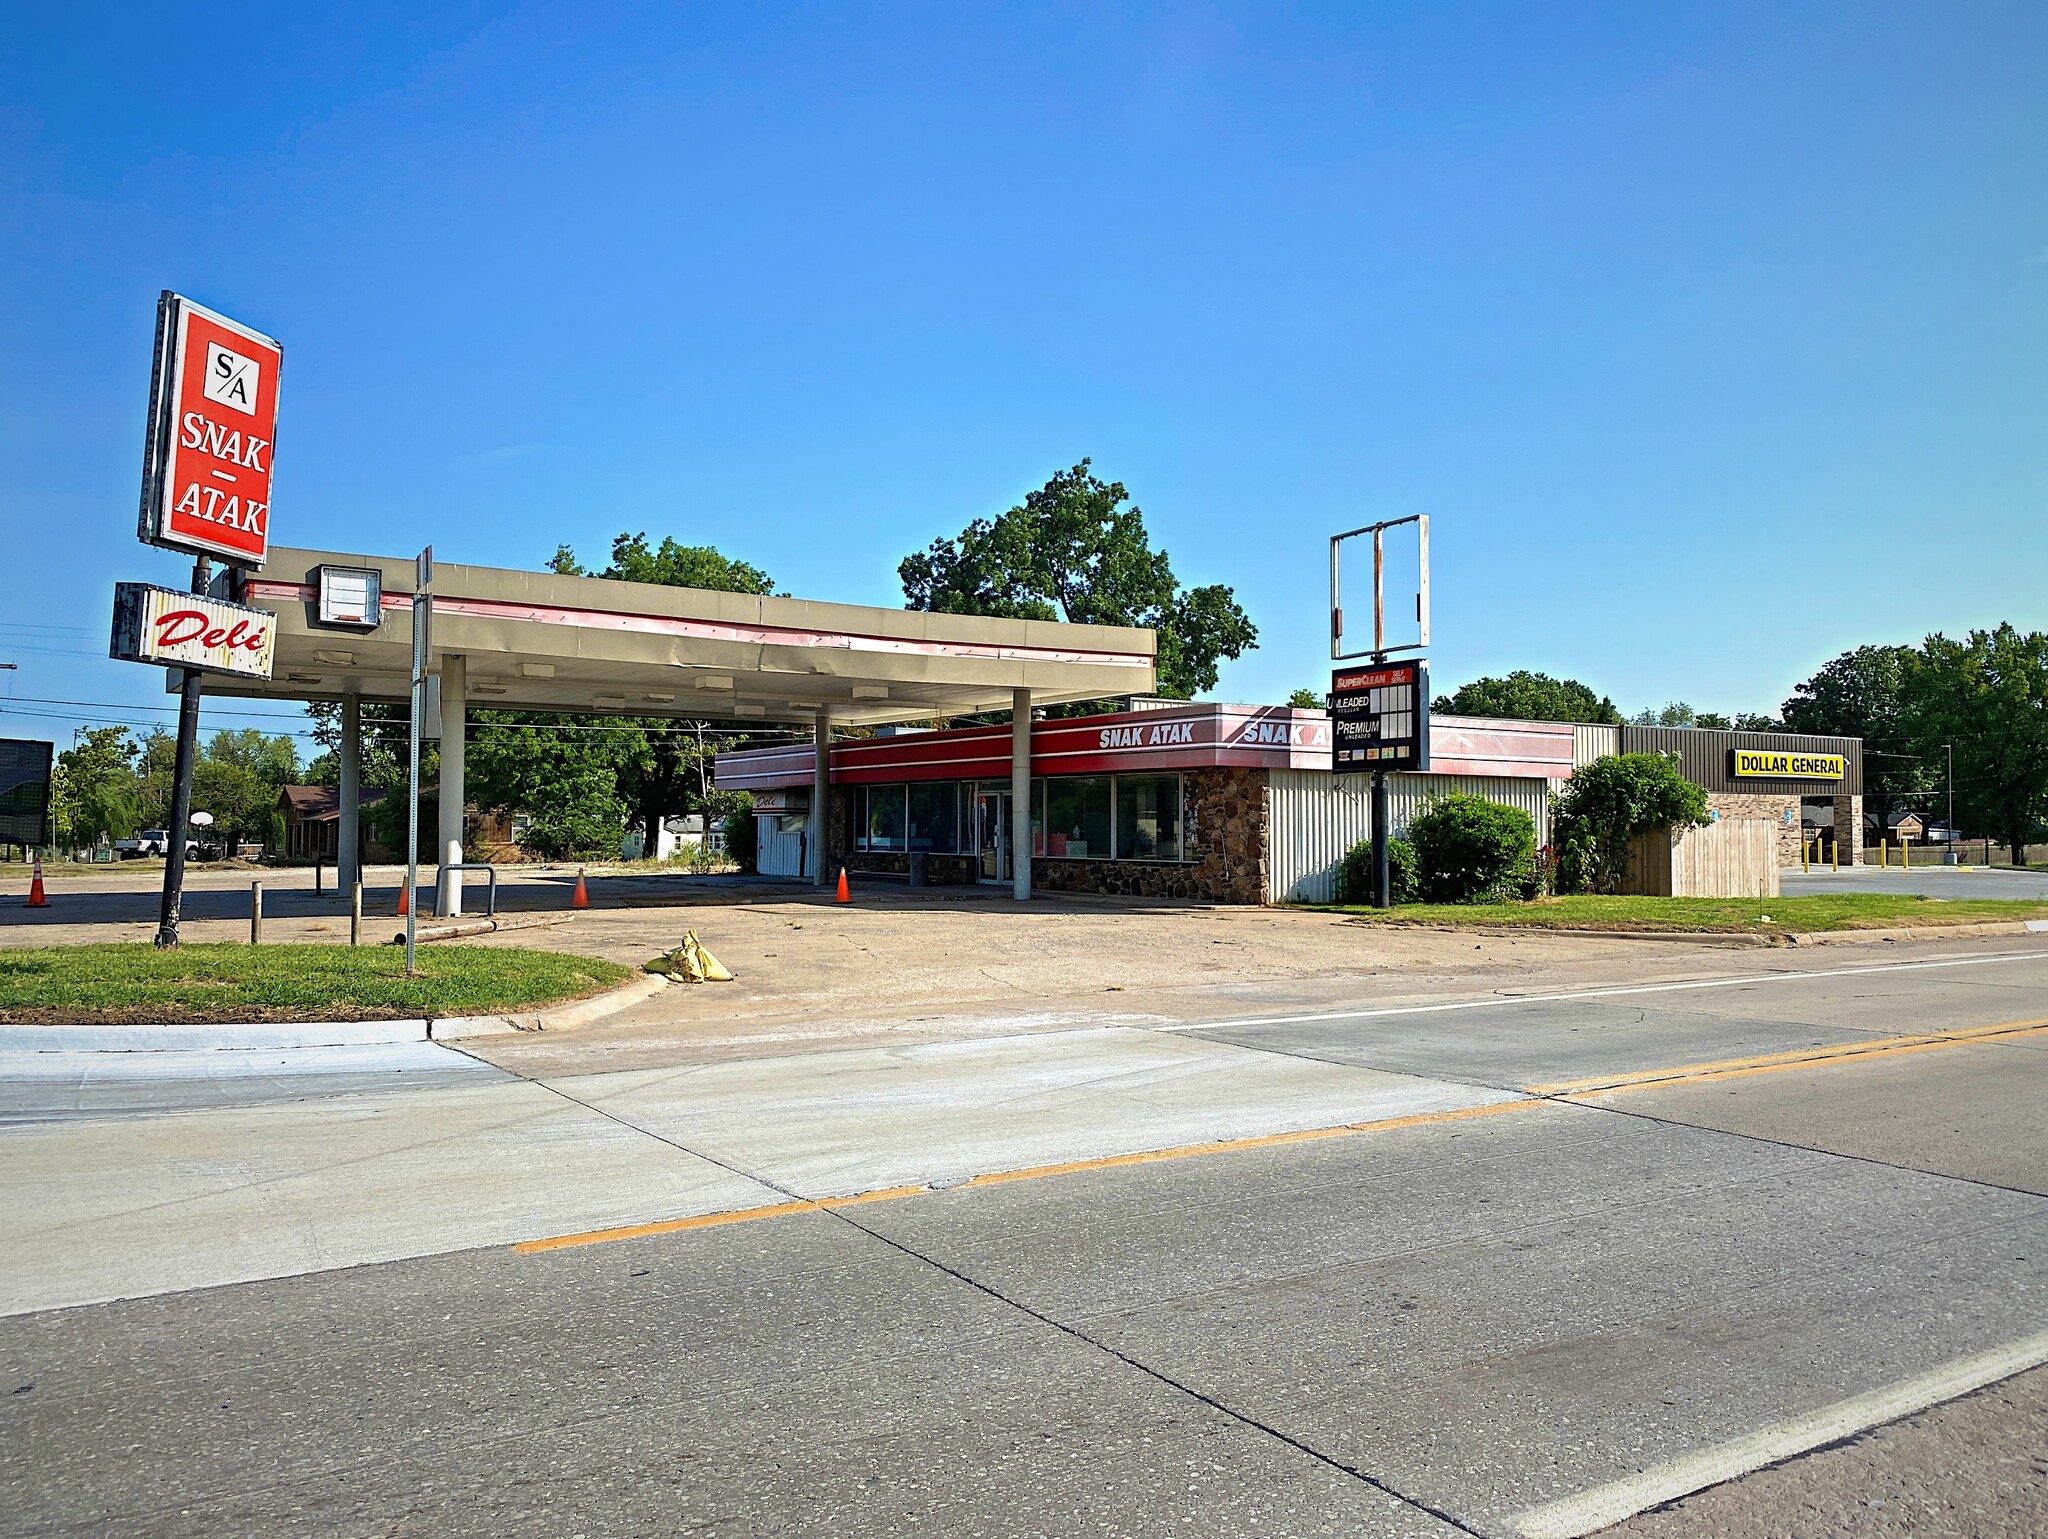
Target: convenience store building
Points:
(1224, 803)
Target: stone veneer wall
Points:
(1226, 862)
(1849, 829)
(1746, 804)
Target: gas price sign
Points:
(1379, 717)
(212, 426)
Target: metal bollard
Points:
(255, 913)
(355, 913)
(318, 862)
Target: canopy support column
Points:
(1020, 793)
(454, 686)
(348, 831)
(821, 797)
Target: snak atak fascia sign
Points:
(184, 630)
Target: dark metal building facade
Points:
(1703, 757)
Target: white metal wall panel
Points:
(1590, 742)
(1314, 817)
(777, 853)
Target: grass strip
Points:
(1785, 916)
(127, 984)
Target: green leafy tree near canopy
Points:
(1306, 700)
(238, 779)
(671, 564)
(1606, 804)
(94, 790)
(1526, 696)
(565, 780)
(1988, 697)
(1072, 551)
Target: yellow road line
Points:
(994, 1178)
(1774, 1063)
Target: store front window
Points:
(1077, 818)
(935, 818)
(884, 821)
(1148, 817)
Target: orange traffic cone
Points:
(404, 899)
(581, 897)
(36, 897)
(844, 895)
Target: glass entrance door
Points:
(992, 834)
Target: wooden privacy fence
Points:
(1728, 858)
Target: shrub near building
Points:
(1471, 850)
(1606, 804)
(1354, 872)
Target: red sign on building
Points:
(212, 427)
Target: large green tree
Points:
(1526, 696)
(238, 778)
(1073, 551)
(1987, 697)
(94, 791)
(1862, 694)
(671, 564)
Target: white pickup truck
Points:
(151, 841)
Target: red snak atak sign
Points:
(212, 430)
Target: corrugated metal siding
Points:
(1703, 757)
(777, 853)
(1590, 742)
(1314, 817)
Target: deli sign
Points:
(184, 630)
(212, 426)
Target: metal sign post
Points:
(1379, 715)
(422, 618)
(181, 790)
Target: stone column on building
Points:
(348, 829)
(1020, 793)
(1849, 829)
(454, 718)
(821, 792)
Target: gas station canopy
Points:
(538, 641)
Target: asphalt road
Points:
(1489, 1266)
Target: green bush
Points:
(1471, 850)
(740, 841)
(1354, 872)
(1606, 804)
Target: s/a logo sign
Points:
(213, 420)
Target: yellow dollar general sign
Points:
(1778, 764)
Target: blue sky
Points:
(1711, 337)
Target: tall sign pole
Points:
(422, 618)
(1379, 713)
(206, 461)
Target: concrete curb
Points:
(227, 1035)
(256, 1036)
(568, 1017)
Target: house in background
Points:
(312, 823)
